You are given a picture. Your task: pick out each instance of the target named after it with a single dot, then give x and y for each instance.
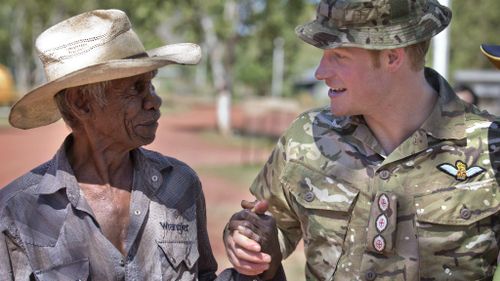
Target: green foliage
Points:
(246, 30)
(473, 23)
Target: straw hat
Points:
(91, 47)
(374, 24)
(492, 52)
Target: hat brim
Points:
(38, 108)
(395, 35)
(492, 52)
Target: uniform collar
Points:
(447, 120)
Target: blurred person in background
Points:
(396, 179)
(103, 208)
(466, 94)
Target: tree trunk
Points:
(216, 52)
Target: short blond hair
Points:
(416, 53)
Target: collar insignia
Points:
(460, 170)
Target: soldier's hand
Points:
(251, 241)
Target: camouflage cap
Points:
(374, 24)
(492, 52)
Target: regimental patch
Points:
(381, 223)
(460, 170)
(379, 243)
(383, 202)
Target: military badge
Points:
(379, 243)
(383, 202)
(381, 223)
(460, 170)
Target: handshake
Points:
(251, 241)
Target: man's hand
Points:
(251, 241)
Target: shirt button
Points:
(465, 213)
(309, 196)
(384, 174)
(137, 212)
(154, 178)
(122, 263)
(370, 275)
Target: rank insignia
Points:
(460, 170)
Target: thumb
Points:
(248, 205)
(260, 207)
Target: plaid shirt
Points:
(48, 230)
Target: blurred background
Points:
(224, 115)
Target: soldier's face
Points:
(132, 111)
(355, 82)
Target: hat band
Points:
(137, 56)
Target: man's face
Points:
(356, 85)
(132, 111)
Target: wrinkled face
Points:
(356, 85)
(131, 112)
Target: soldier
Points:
(396, 179)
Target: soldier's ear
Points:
(393, 59)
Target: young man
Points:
(396, 179)
(103, 208)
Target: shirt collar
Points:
(60, 175)
(150, 169)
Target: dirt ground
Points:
(180, 135)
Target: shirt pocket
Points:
(69, 271)
(456, 228)
(178, 259)
(323, 205)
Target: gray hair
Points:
(95, 92)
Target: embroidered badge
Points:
(383, 202)
(460, 170)
(381, 223)
(379, 243)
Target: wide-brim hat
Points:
(88, 48)
(492, 52)
(374, 24)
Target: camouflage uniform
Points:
(426, 211)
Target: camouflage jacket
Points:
(426, 211)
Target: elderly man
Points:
(396, 179)
(103, 208)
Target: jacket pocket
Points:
(70, 271)
(456, 228)
(323, 206)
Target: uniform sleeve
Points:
(13, 261)
(268, 186)
(207, 266)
